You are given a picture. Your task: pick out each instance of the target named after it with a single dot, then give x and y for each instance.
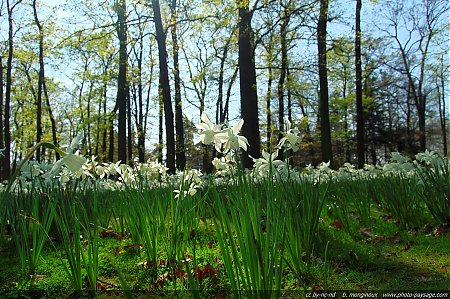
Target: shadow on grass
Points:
(385, 265)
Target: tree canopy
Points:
(360, 82)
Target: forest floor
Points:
(358, 258)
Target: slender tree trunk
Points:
(80, 100)
(248, 89)
(421, 115)
(308, 136)
(145, 116)
(324, 112)
(129, 129)
(112, 116)
(88, 150)
(140, 106)
(268, 107)
(179, 127)
(409, 135)
(220, 118)
(52, 118)
(227, 99)
(105, 123)
(417, 92)
(164, 87)
(160, 128)
(360, 146)
(2, 142)
(442, 109)
(40, 82)
(284, 63)
(7, 157)
(289, 93)
(122, 82)
(347, 135)
(97, 132)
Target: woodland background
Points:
(359, 78)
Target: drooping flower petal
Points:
(74, 162)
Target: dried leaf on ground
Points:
(337, 224)
(366, 231)
(388, 255)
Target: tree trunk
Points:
(324, 113)
(141, 141)
(284, 63)
(52, 119)
(129, 129)
(360, 146)
(268, 107)
(111, 118)
(97, 132)
(409, 134)
(164, 87)
(140, 106)
(105, 123)
(179, 127)
(2, 143)
(289, 93)
(7, 157)
(220, 115)
(442, 109)
(80, 100)
(40, 82)
(227, 99)
(248, 90)
(122, 82)
(160, 128)
(421, 114)
(87, 124)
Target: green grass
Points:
(396, 261)
(248, 239)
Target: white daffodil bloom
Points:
(54, 170)
(267, 163)
(114, 168)
(64, 177)
(324, 167)
(101, 170)
(74, 162)
(232, 139)
(193, 175)
(74, 143)
(291, 138)
(399, 158)
(191, 191)
(430, 158)
(209, 131)
(31, 170)
(220, 163)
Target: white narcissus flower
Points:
(114, 168)
(267, 163)
(101, 170)
(75, 143)
(399, 158)
(64, 178)
(74, 162)
(220, 163)
(291, 138)
(191, 191)
(232, 139)
(209, 131)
